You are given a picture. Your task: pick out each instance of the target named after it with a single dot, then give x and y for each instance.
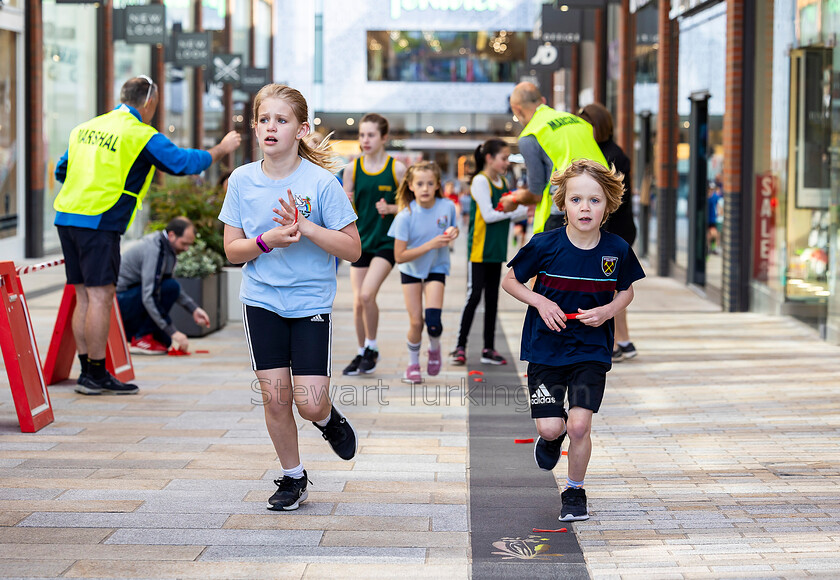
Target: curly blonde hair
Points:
(320, 155)
(610, 180)
(404, 194)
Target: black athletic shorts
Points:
(91, 257)
(432, 277)
(275, 342)
(364, 261)
(547, 387)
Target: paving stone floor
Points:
(716, 455)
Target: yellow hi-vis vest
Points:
(564, 137)
(101, 153)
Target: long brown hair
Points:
(404, 194)
(320, 155)
(601, 120)
(610, 180)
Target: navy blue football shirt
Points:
(573, 278)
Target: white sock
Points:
(434, 343)
(294, 472)
(323, 422)
(371, 344)
(624, 344)
(361, 351)
(413, 353)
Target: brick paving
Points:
(716, 454)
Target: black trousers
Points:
(484, 278)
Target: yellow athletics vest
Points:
(564, 138)
(101, 153)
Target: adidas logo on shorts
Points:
(316, 318)
(542, 396)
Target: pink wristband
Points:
(262, 245)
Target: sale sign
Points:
(766, 188)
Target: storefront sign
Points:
(561, 26)
(77, 1)
(765, 224)
(400, 6)
(192, 48)
(253, 79)
(145, 24)
(548, 56)
(227, 68)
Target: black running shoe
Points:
(353, 368)
(617, 355)
(290, 492)
(491, 357)
(628, 351)
(340, 434)
(110, 385)
(547, 453)
(458, 357)
(574, 505)
(369, 360)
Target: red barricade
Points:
(20, 354)
(62, 349)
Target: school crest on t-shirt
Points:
(608, 265)
(304, 205)
(443, 222)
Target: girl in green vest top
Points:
(371, 183)
(487, 247)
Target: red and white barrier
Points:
(20, 353)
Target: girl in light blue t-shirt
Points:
(285, 218)
(422, 230)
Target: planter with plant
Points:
(199, 269)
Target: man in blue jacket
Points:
(106, 172)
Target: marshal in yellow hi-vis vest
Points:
(101, 154)
(564, 137)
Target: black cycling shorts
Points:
(275, 342)
(432, 277)
(365, 259)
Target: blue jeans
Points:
(137, 321)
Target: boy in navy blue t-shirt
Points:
(584, 277)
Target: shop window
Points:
(472, 57)
(8, 135)
(809, 170)
(69, 95)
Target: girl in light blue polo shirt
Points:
(285, 218)
(422, 230)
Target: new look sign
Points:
(398, 7)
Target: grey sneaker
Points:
(290, 492)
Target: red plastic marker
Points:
(296, 213)
(202, 352)
(529, 440)
(178, 352)
(564, 453)
(537, 530)
(471, 373)
(572, 315)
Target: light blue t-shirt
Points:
(297, 281)
(416, 226)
